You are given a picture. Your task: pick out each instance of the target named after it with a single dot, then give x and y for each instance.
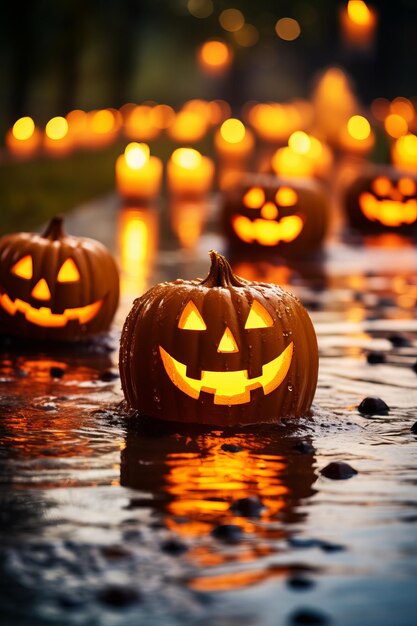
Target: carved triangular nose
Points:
(227, 342)
(41, 290)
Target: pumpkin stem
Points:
(55, 229)
(221, 274)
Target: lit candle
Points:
(23, 139)
(358, 22)
(139, 123)
(404, 152)
(189, 173)
(304, 156)
(234, 143)
(57, 141)
(138, 175)
(274, 122)
(103, 127)
(334, 103)
(357, 136)
(188, 126)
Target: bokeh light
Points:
(23, 128)
(200, 8)
(233, 130)
(395, 125)
(56, 128)
(188, 158)
(136, 155)
(358, 12)
(231, 20)
(358, 127)
(288, 29)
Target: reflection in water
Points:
(192, 481)
(188, 218)
(137, 237)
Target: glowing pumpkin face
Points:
(219, 351)
(383, 200)
(269, 212)
(54, 286)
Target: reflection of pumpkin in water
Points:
(286, 215)
(56, 287)
(218, 351)
(381, 200)
(192, 482)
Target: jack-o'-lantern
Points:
(383, 199)
(56, 287)
(288, 216)
(222, 350)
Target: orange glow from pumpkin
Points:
(68, 273)
(286, 196)
(381, 185)
(228, 387)
(254, 198)
(24, 267)
(388, 212)
(41, 290)
(267, 232)
(407, 186)
(44, 316)
(227, 342)
(269, 211)
(258, 317)
(191, 318)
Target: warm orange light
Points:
(24, 268)
(233, 131)
(69, 272)
(286, 196)
(229, 387)
(200, 8)
(404, 152)
(267, 232)
(274, 122)
(299, 142)
(137, 155)
(269, 211)
(139, 123)
(188, 126)
(44, 316)
(258, 317)
(403, 106)
(389, 212)
(103, 122)
(247, 36)
(358, 127)
(254, 198)
(187, 158)
(286, 162)
(23, 128)
(190, 318)
(162, 116)
(227, 342)
(381, 185)
(358, 12)
(231, 20)
(215, 56)
(41, 290)
(407, 186)
(395, 125)
(287, 28)
(56, 128)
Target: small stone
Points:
(308, 616)
(300, 583)
(107, 376)
(231, 447)
(56, 372)
(375, 357)
(414, 428)
(338, 470)
(173, 546)
(373, 406)
(247, 507)
(414, 367)
(132, 535)
(118, 596)
(304, 448)
(306, 543)
(398, 340)
(229, 533)
(115, 552)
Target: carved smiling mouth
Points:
(230, 387)
(44, 316)
(267, 232)
(388, 212)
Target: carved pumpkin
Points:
(383, 199)
(221, 350)
(286, 215)
(54, 286)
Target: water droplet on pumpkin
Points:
(289, 387)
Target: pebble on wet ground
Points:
(300, 583)
(398, 340)
(414, 428)
(173, 546)
(305, 543)
(338, 470)
(109, 375)
(248, 507)
(56, 372)
(414, 367)
(231, 447)
(118, 596)
(308, 616)
(304, 447)
(228, 533)
(373, 406)
(375, 357)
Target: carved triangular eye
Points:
(191, 318)
(24, 267)
(258, 317)
(68, 273)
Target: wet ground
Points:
(108, 521)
